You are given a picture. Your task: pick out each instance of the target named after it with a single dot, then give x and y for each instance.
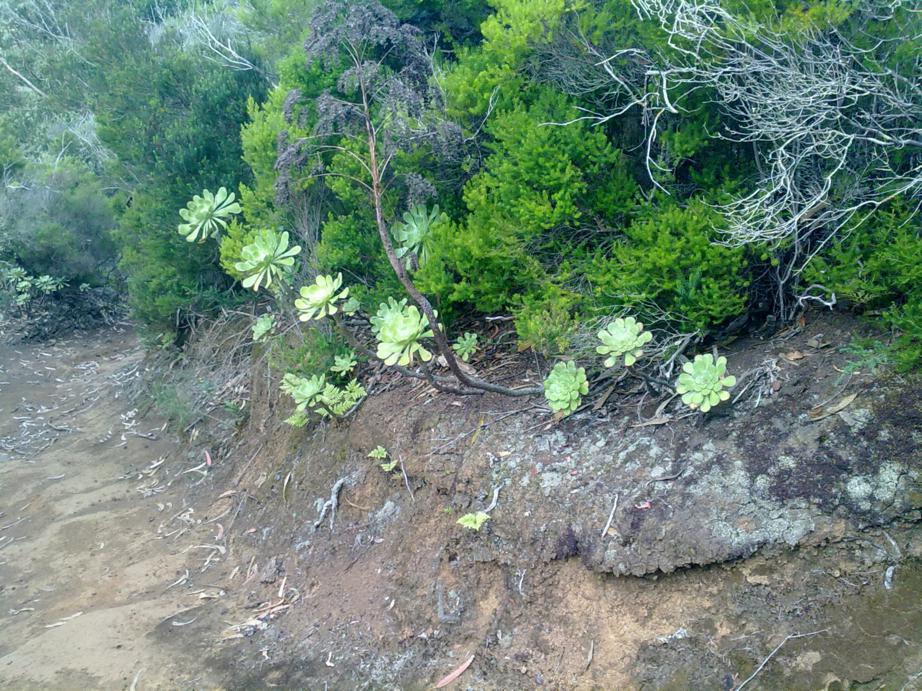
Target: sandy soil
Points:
(84, 574)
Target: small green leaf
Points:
(474, 521)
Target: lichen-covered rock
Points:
(694, 495)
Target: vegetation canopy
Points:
(614, 186)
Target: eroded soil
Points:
(129, 560)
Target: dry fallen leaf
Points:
(794, 355)
(654, 421)
(820, 413)
(448, 678)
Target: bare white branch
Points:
(835, 134)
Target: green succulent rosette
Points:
(343, 364)
(262, 326)
(319, 300)
(565, 387)
(266, 259)
(624, 337)
(305, 391)
(385, 311)
(207, 215)
(465, 346)
(399, 334)
(413, 235)
(703, 382)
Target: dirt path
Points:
(83, 576)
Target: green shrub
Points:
(545, 321)
(57, 220)
(173, 123)
(527, 209)
(878, 266)
(878, 262)
(167, 277)
(907, 320)
(313, 351)
(668, 258)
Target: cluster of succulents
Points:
(206, 215)
(565, 387)
(323, 397)
(624, 337)
(703, 382)
(465, 346)
(319, 299)
(25, 287)
(266, 259)
(399, 331)
(399, 327)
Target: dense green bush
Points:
(878, 267)
(173, 122)
(667, 258)
(544, 192)
(907, 320)
(878, 262)
(507, 190)
(56, 219)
